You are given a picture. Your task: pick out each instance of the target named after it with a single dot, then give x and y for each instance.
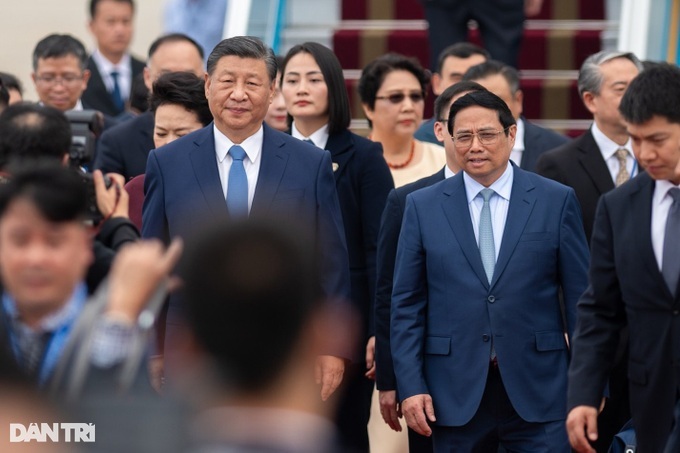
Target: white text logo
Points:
(55, 432)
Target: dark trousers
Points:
(496, 424)
(354, 407)
(501, 25)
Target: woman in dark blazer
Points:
(316, 99)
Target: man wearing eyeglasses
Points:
(60, 74)
(478, 338)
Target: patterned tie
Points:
(670, 265)
(115, 94)
(487, 248)
(237, 188)
(622, 176)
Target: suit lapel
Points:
(593, 163)
(96, 83)
(457, 212)
(522, 200)
(274, 160)
(341, 149)
(204, 163)
(641, 205)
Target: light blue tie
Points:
(116, 94)
(487, 248)
(237, 188)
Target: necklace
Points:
(408, 161)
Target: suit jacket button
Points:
(676, 312)
(485, 338)
(491, 299)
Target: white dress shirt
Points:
(498, 204)
(124, 68)
(253, 148)
(319, 137)
(518, 149)
(608, 149)
(448, 172)
(661, 204)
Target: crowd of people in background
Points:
(217, 260)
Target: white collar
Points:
(318, 137)
(519, 136)
(251, 145)
(661, 188)
(502, 186)
(448, 172)
(124, 66)
(607, 146)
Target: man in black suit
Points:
(111, 67)
(390, 227)
(125, 148)
(634, 274)
(589, 164)
(531, 140)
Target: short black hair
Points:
(32, 131)
(373, 75)
(654, 92)
(11, 82)
(487, 100)
(184, 89)
(57, 46)
(244, 47)
(95, 3)
(339, 116)
(441, 104)
(494, 67)
(460, 50)
(174, 37)
(4, 95)
(56, 191)
(249, 288)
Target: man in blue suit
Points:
(238, 167)
(478, 330)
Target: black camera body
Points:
(86, 127)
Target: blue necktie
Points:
(237, 188)
(487, 248)
(309, 140)
(670, 263)
(115, 94)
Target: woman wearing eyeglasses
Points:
(316, 98)
(392, 90)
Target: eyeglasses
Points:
(66, 79)
(464, 140)
(398, 98)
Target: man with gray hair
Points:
(592, 164)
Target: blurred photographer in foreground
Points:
(45, 250)
(31, 132)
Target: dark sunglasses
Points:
(398, 98)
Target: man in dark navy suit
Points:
(239, 167)
(390, 226)
(477, 333)
(125, 148)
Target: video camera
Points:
(86, 127)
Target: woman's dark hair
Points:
(339, 115)
(373, 75)
(181, 88)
